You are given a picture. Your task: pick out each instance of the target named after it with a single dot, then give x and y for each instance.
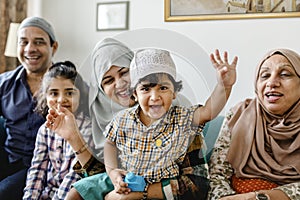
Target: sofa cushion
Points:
(211, 132)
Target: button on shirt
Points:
(22, 123)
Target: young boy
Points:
(152, 137)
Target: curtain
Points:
(10, 11)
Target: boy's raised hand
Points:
(226, 72)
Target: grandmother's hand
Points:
(274, 194)
(226, 72)
(246, 196)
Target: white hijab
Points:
(106, 53)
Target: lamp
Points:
(11, 42)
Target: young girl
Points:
(50, 175)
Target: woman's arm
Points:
(63, 122)
(274, 194)
(291, 190)
(220, 170)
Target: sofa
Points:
(211, 133)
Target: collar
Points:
(166, 119)
(21, 74)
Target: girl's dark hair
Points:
(154, 79)
(66, 70)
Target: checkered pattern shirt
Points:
(153, 151)
(51, 175)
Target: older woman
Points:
(257, 154)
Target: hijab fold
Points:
(265, 145)
(106, 53)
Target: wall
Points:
(75, 25)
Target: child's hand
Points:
(116, 176)
(226, 72)
(62, 121)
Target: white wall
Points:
(75, 25)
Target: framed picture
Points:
(112, 16)
(190, 10)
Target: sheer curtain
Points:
(10, 11)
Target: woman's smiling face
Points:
(116, 83)
(278, 85)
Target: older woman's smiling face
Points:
(278, 85)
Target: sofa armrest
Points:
(211, 133)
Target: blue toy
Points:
(135, 182)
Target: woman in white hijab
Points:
(103, 105)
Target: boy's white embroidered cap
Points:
(150, 61)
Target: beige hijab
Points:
(265, 145)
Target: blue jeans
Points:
(12, 175)
(11, 187)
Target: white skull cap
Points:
(149, 61)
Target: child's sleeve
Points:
(70, 178)
(37, 173)
(197, 129)
(111, 129)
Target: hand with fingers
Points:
(62, 121)
(117, 176)
(226, 71)
(245, 196)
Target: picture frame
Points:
(192, 10)
(112, 16)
